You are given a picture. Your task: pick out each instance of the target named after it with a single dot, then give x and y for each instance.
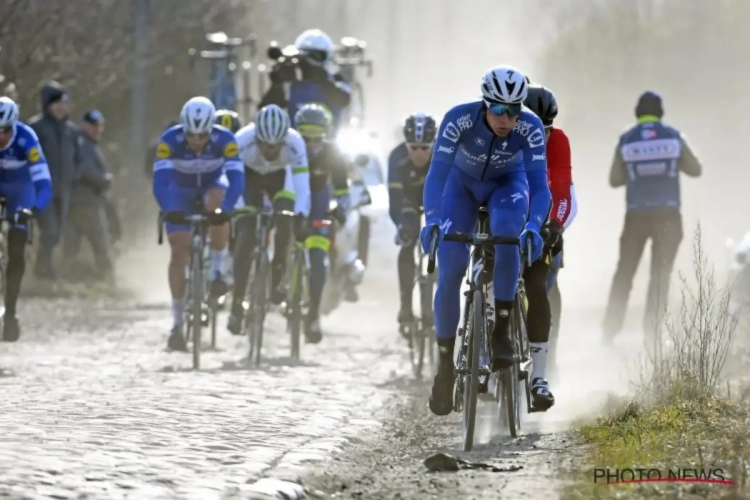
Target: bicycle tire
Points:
(258, 305)
(471, 387)
(197, 292)
(214, 311)
(294, 321)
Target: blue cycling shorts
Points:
(185, 199)
(18, 195)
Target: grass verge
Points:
(681, 427)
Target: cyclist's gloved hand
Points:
(537, 242)
(23, 217)
(301, 228)
(176, 217)
(406, 235)
(339, 214)
(425, 236)
(553, 237)
(218, 217)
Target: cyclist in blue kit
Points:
(488, 152)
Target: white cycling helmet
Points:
(316, 45)
(272, 124)
(504, 85)
(8, 112)
(198, 115)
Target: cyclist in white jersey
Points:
(275, 160)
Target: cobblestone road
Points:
(92, 406)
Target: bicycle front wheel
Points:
(197, 302)
(471, 386)
(258, 306)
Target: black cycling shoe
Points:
(234, 323)
(542, 398)
(11, 328)
(313, 332)
(219, 288)
(176, 340)
(441, 399)
(503, 355)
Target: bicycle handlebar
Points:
(482, 239)
(193, 219)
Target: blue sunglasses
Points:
(512, 110)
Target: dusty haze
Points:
(597, 57)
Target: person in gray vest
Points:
(61, 142)
(647, 161)
(89, 205)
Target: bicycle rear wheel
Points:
(196, 319)
(294, 321)
(471, 386)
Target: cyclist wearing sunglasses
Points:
(407, 169)
(314, 82)
(328, 169)
(488, 152)
(276, 165)
(196, 160)
(26, 185)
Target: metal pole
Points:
(139, 81)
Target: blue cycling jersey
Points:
(466, 142)
(178, 169)
(22, 164)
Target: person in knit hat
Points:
(648, 159)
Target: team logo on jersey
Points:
(451, 132)
(464, 123)
(34, 155)
(226, 121)
(479, 141)
(536, 138)
(163, 151)
(231, 150)
(522, 127)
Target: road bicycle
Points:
(473, 357)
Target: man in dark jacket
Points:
(648, 160)
(61, 142)
(88, 205)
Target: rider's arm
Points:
(274, 95)
(395, 187)
(443, 155)
(235, 172)
(337, 92)
(39, 171)
(618, 173)
(560, 172)
(688, 162)
(535, 160)
(163, 174)
(300, 174)
(340, 179)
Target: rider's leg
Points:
(282, 200)
(406, 265)
(244, 244)
(555, 302)
(317, 244)
(538, 320)
(16, 265)
(508, 207)
(458, 214)
(219, 242)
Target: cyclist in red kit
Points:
(540, 279)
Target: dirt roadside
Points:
(389, 464)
